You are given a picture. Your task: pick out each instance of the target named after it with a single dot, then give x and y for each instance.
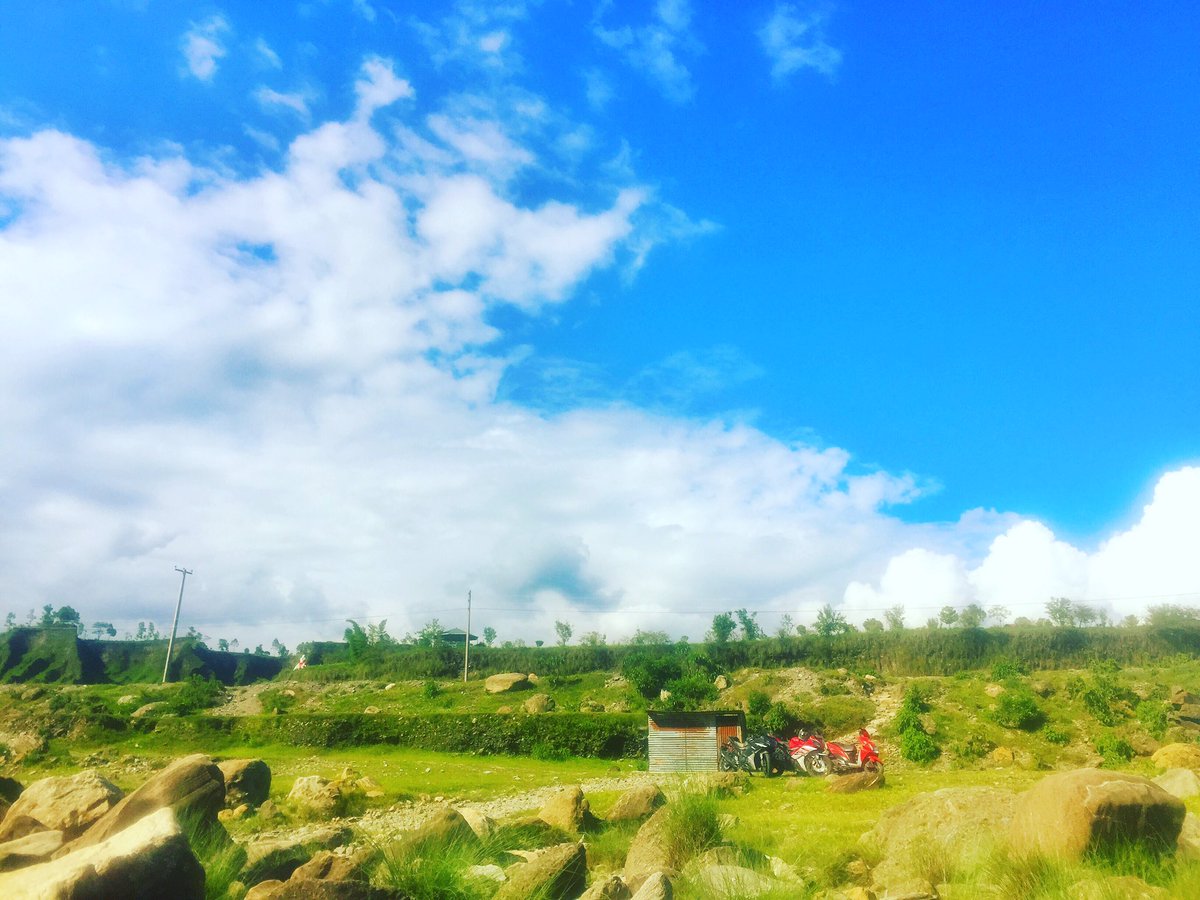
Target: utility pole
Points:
(467, 639)
(175, 623)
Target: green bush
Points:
(758, 703)
(549, 753)
(779, 720)
(973, 746)
(1018, 709)
(1115, 750)
(1155, 717)
(693, 825)
(195, 694)
(1056, 735)
(431, 690)
(1005, 668)
(918, 747)
(691, 691)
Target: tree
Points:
(10, 621)
(593, 639)
(1169, 615)
(564, 631)
(933, 623)
(787, 627)
(280, 650)
(356, 640)
(47, 616)
(722, 627)
(948, 616)
(751, 630)
(894, 618)
(972, 616)
(99, 628)
(223, 645)
(1065, 612)
(998, 614)
(872, 625)
(430, 634)
(489, 635)
(649, 638)
(539, 643)
(830, 622)
(1130, 621)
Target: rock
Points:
(1181, 783)
(533, 679)
(649, 852)
(67, 803)
(783, 870)
(246, 781)
(611, 888)
(504, 711)
(372, 711)
(268, 810)
(559, 873)
(150, 858)
(390, 686)
(22, 743)
(1127, 887)
(232, 815)
(491, 872)
(656, 887)
(721, 785)
(316, 889)
(637, 802)
(854, 782)
(370, 788)
(446, 825)
(721, 683)
(33, 848)
(279, 856)
(158, 707)
(192, 786)
(1042, 688)
(955, 825)
(483, 825)
(10, 790)
(1178, 756)
(316, 795)
(566, 809)
(329, 866)
(1070, 813)
(1003, 756)
(127, 700)
(1187, 847)
(994, 690)
(733, 881)
(509, 681)
(538, 703)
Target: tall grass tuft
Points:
(221, 857)
(692, 825)
(437, 871)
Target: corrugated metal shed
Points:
(691, 741)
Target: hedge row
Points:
(605, 736)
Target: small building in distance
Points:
(456, 636)
(691, 741)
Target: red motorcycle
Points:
(809, 754)
(860, 757)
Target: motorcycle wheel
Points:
(816, 764)
(872, 766)
(727, 762)
(765, 765)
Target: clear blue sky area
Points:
(964, 242)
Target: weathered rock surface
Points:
(656, 887)
(446, 825)
(314, 889)
(150, 858)
(67, 803)
(483, 825)
(611, 888)
(156, 708)
(733, 881)
(1070, 813)
(1178, 756)
(279, 856)
(1181, 783)
(329, 866)
(559, 873)
(316, 795)
(854, 782)
(1127, 887)
(509, 681)
(638, 802)
(538, 703)
(649, 853)
(1188, 844)
(246, 781)
(33, 848)
(192, 786)
(953, 823)
(567, 809)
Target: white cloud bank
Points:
(203, 47)
(286, 383)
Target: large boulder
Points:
(656, 887)
(509, 681)
(192, 786)
(1181, 783)
(650, 852)
(611, 888)
(149, 858)
(538, 703)
(246, 781)
(482, 824)
(446, 826)
(637, 802)
(318, 797)
(316, 889)
(279, 856)
(326, 865)
(558, 873)
(33, 848)
(953, 824)
(67, 803)
(566, 809)
(1178, 756)
(1071, 813)
(733, 881)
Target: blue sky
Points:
(921, 281)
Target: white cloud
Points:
(655, 49)
(296, 101)
(202, 46)
(268, 56)
(793, 40)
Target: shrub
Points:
(195, 694)
(692, 826)
(973, 746)
(1155, 717)
(549, 753)
(431, 690)
(691, 691)
(1056, 735)
(1115, 750)
(917, 746)
(1019, 709)
(758, 703)
(1005, 668)
(779, 719)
